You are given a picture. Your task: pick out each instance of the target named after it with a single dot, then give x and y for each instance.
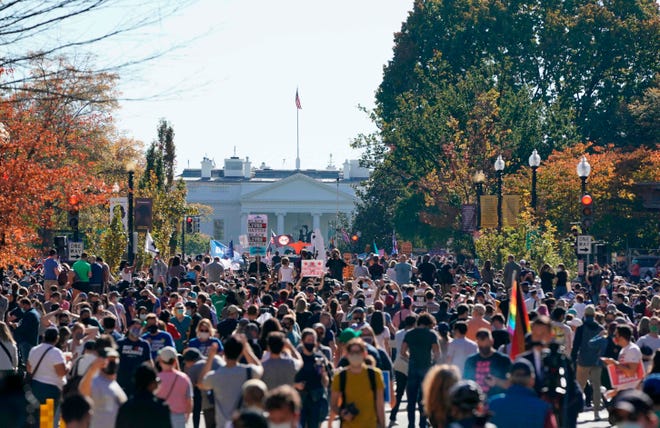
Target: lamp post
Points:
(130, 168)
(499, 169)
(478, 179)
(534, 162)
(583, 171)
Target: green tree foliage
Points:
(114, 241)
(167, 148)
(154, 174)
(591, 58)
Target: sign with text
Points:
(257, 235)
(75, 250)
(313, 268)
(510, 209)
(584, 244)
(469, 217)
(620, 380)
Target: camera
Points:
(349, 411)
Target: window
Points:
(219, 229)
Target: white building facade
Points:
(295, 201)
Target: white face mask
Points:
(280, 425)
(204, 335)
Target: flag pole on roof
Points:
(298, 108)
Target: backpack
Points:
(342, 384)
(73, 380)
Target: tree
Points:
(583, 58)
(166, 143)
(114, 241)
(36, 31)
(619, 217)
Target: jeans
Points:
(44, 391)
(197, 406)
(401, 382)
(24, 351)
(414, 393)
(178, 420)
(313, 411)
(593, 374)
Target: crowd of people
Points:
(261, 345)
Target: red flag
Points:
(518, 322)
(298, 105)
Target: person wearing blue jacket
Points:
(519, 405)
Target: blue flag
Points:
(218, 249)
(230, 250)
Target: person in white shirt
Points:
(579, 306)
(461, 347)
(48, 367)
(630, 355)
(652, 340)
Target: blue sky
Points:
(233, 82)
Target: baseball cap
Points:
(347, 334)
(233, 309)
(167, 354)
(466, 395)
(589, 311)
(633, 401)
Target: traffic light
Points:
(74, 211)
(189, 224)
(587, 212)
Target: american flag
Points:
(298, 105)
(395, 246)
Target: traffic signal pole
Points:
(183, 238)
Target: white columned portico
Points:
(244, 223)
(316, 221)
(280, 223)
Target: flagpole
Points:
(297, 138)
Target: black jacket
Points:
(144, 410)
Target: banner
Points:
(469, 217)
(143, 217)
(488, 211)
(622, 381)
(257, 234)
(218, 249)
(313, 268)
(122, 203)
(406, 247)
(510, 209)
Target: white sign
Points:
(257, 234)
(122, 203)
(313, 268)
(75, 250)
(584, 244)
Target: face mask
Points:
(204, 336)
(135, 332)
(143, 317)
(309, 346)
(152, 329)
(79, 336)
(355, 359)
(653, 328)
(111, 368)
(188, 313)
(369, 340)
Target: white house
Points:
(296, 201)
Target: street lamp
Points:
(583, 171)
(499, 169)
(478, 179)
(534, 162)
(130, 168)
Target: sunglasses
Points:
(204, 331)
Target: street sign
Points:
(75, 250)
(584, 244)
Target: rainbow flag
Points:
(518, 322)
